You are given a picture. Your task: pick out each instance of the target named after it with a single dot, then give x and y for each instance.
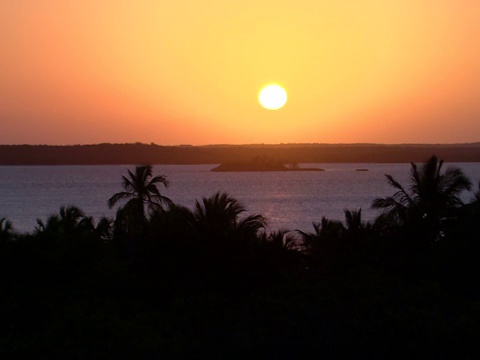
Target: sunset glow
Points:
(188, 72)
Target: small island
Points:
(260, 165)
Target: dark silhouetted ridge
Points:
(105, 154)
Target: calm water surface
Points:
(290, 200)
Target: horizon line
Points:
(253, 144)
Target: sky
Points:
(188, 72)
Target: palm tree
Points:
(69, 220)
(357, 231)
(229, 245)
(335, 232)
(142, 195)
(281, 238)
(173, 224)
(327, 233)
(68, 239)
(217, 218)
(104, 229)
(430, 200)
(353, 221)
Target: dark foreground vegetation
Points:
(164, 281)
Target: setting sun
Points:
(272, 97)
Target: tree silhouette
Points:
(428, 203)
(217, 217)
(357, 232)
(69, 220)
(104, 229)
(336, 246)
(67, 239)
(353, 221)
(281, 238)
(326, 233)
(176, 222)
(142, 195)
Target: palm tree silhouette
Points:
(142, 195)
(217, 217)
(281, 238)
(69, 220)
(326, 233)
(430, 199)
(176, 222)
(104, 228)
(353, 221)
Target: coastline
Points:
(121, 154)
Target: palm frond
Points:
(454, 183)
(129, 184)
(252, 223)
(219, 207)
(160, 179)
(388, 202)
(353, 219)
(119, 197)
(476, 196)
(401, 193)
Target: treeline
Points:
(163, 280)
(103, 154)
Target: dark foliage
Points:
(162, 280)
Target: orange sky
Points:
(189, 71)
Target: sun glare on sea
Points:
(272, 97)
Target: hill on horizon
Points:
(138, 153)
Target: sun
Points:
(272, 97)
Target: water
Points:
(291, 200)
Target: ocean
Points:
(291, 200)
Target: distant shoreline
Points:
(121, 154)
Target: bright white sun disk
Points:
(272, 97)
